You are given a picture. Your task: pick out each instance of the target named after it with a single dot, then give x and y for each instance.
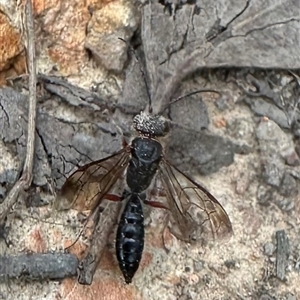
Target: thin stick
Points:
(26, 177)
(38, 266)
(28, 167)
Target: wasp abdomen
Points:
(130, 237)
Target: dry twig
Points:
(25, 180)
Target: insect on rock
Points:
(144, 170)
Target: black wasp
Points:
(194, 213)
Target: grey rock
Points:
(264, 195)
(266, 297)
(104, 30)
(290, 296)
(275, 146)
(239, 41)
(284, 203)
(272, 171)
(60, 145)
(289, 186)
(263, 108)
(204, 152)
(283, 249)
(191, 112)
(269, 249)
(242, 131)
(273, 95)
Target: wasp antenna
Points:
(150, 109)
(189, 94)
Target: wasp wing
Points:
(195, 213)
(87, 186)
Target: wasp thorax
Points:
(152, 125)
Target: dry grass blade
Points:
(26, 177)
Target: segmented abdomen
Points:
(130, 237)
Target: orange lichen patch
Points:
(192, 279)
(35, 241)
(56, 236)
(264, 119)
(154, 239)
(40, 5)
(65, 26)
(101, 288)
(78, 248)
(100, 4)
(146, 260)
(173, 279)
(220, 122)
(62, 58)
(159, 237)
(168, 239)
(109, 18)
(108, 261)
(116, 19)
(11, 60)
(10, 42)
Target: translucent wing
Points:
(87, 186)
(195, 213)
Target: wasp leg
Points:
(156, 204)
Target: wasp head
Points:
(151, 125)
